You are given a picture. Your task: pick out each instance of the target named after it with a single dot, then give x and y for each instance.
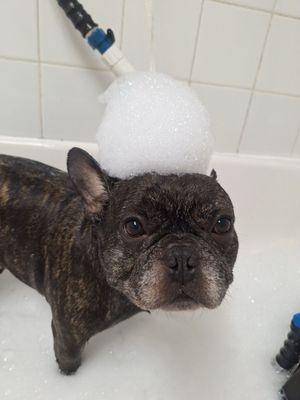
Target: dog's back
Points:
(31, 196)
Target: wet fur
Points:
(48, 241)
(62, 236)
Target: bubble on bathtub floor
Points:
(7, 355)
(153, 123)
(223, 354)
(37, 389)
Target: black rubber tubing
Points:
(82, 21)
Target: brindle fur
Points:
(49, 243)
(65, 241)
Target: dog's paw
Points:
(68, 368)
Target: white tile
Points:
(272, 125)
(18, 28)
(19, 99)
(230, 44)
(280, 69)
(61, 43)
(296, 149)
(174, 33)
(136, 36)
(260, 4)
(175, 28)
(227, 108)
(289, 7)
(71, 109)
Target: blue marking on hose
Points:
(296, 320)
(101, 41)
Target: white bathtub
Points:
(224, 354)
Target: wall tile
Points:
(175, 28)
(272, 125)
(61, 43)
(230, 44)
(71, 108)
(18, 28)
(174, 35)
(19, 99)
(289, 7)
(228, 52)
(296, 149)
(260, 4)
(136, 35)
(227, 108)
(280, 70)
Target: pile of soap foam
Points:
(153, 123)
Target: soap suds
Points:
(153, 123)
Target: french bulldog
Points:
(101, 249)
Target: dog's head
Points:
(166, 241)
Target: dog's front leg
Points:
(67, 349)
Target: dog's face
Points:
(167, 241)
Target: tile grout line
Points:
(193, 81)
(244, 6)
(276, 13)
(255, 80)
(14, 58)
(297, 137)
(244, 88)
(122, 24)
(218, 84)
(149, 24)
(40, 70)
(84, 68)
(53, 63)
(293, 17)
(196, 43)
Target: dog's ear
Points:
(91, 183)
(213, 174)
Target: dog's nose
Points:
(181, 262)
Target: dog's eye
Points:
(134, 228)
(223, 225)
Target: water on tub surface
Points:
(224, 354)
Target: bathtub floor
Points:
(162, 356)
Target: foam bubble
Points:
(153, 123)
